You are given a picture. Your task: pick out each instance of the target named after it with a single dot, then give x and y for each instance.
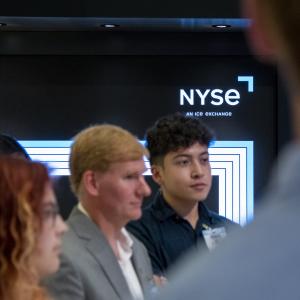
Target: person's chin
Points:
(55, 262)
(136, 215)
(199, 197)
(54, 266)
(51, 268)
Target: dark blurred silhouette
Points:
(261, 261)
(9, 145)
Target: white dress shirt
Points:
(124, 245)
(125, 251)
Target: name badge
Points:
(213, 236)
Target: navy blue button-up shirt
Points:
(167, 236)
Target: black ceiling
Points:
(122, 9)
(91, 15)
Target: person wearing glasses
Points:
(101, 260)
(30, 229)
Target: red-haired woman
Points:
(30, 229)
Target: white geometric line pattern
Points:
(231, 161)
(235, 158)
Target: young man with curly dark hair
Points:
(177, 219)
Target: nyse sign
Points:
(215, 97)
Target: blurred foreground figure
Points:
(30, 229)
(262, 261)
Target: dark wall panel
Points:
(54, 84)
(129, 8)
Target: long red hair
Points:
(22, 187)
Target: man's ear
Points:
(259, 37)
(90, 183)
(157, 174)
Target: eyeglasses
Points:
(50, 213)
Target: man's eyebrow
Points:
(182, 155)
(204, 153)
(190, 155)
(136, 172)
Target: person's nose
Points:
(61, 226)
(197, 170)
(144, 187)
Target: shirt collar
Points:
(125, 241)
(162, 210)
(83, 210)
(126, 238)
(124, 245)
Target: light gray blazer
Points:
(89, 269)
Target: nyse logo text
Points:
(215, 97)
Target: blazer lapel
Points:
(138, 263)
(99, 248)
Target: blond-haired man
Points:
(100, 259)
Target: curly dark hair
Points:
(175, 131)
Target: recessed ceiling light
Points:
(221, 26)
(110, 25)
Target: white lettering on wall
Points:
(214, 97)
